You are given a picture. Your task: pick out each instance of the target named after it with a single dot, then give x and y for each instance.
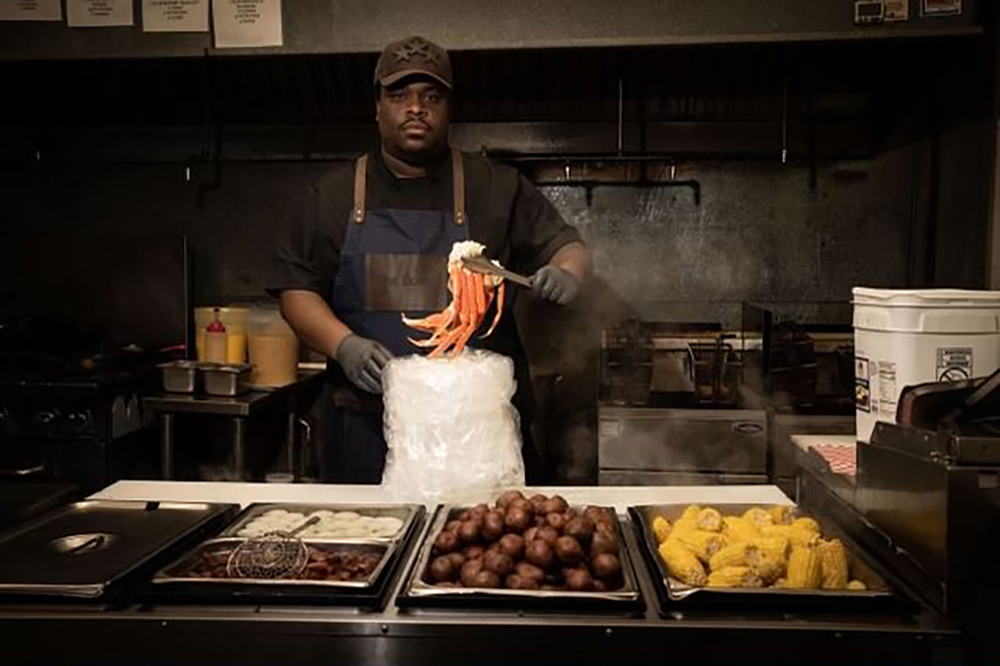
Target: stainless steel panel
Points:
(946, 517)
(639, 478)
(688, 440)
(781, 428)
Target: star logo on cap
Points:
(415, 48)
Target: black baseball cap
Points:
(413, 55)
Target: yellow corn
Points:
(799, 537)
(856, 585)
(804, 569)
(833, 556)
(688, 519)
(681, 563)
(768, 569)
(661, 528)
(730, 556)
(782, 514)
(758, 516)
(806, 523)
(739, 529)
(709, 520)
(772, 548)
(702, 544)
(734, 577)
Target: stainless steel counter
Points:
(174, 634)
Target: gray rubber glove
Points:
(363, 360)
(554, 284)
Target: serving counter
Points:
(140, 632)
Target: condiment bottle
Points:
(215, 340)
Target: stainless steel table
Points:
(238, 409)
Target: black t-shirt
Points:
(518, 225)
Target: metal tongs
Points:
(484, 266)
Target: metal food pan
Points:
(82, 549)
(180, 572)
(642, 516)
(404, 512)
(416, 592)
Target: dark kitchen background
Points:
(712, 157)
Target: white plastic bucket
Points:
(904, 337)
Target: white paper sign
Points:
(30, 10)
(175, 15)
(98, 13)
(246, 23)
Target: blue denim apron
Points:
(393, 261)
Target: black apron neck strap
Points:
(360, 171)
(458, 179)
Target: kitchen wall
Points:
(886, 182)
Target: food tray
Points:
(174, 583)
(418, 593)
(877, 596)
(182, 571)
(85, 548)
(406, 513)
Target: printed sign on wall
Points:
(98, 13)
(175, 15)
(30, 10)
(246, 23)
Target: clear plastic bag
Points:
(452, 433)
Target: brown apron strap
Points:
(458, 177)
(360, 172)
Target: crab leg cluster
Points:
(472, 296)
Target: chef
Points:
(370, 241)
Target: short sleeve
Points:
(537, 229)
(302, 258)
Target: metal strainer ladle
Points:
(277, 554)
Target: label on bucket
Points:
(887, 392)
(954, 363)
(862, 388)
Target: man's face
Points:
(413, 119)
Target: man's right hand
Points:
(363, 360)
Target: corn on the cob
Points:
(804, 569)
(783, 514)
(768, 568)
(709, 520)
(688, 519)
(799, 537)
(730, 556)
(702, 544)
(856, 585)
(734, 577)
(739, 529)
(774, 548)
(661, 529)
(834, 559)
(758, 516)
(682, 563)
(806, 523)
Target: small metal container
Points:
(179, 376)
(225, 380)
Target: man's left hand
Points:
(554, 284)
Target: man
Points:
(371, 242)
